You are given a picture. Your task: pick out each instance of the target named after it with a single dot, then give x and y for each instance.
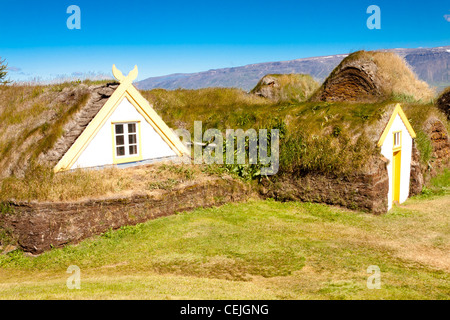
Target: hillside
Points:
(245, 77)
(430, 64)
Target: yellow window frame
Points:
(399, 146)
(138, 157)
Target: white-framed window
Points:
(397, 139)
(126, 139)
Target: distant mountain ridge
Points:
(430, 64)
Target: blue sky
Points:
(191, 36)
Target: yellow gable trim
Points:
(127, 90)
(397, 111)
(91, 130)
(146, 110)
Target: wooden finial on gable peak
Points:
(121, 78)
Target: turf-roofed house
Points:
(396, 140)
(125, 131)
(369, 137)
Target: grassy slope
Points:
(254, 250)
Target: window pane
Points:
(132, 139)
(133, 149)
(397, 138)
(120, 151)
(131, 127)
(119, 128)
(120, 140)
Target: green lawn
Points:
(253, 250)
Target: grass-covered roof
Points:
(41, 122)
(369, 76)
(443, 102)
(286, 87)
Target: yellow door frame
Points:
(396, 167)
(396, 172)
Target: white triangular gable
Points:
(125, 104)
(100, 151)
